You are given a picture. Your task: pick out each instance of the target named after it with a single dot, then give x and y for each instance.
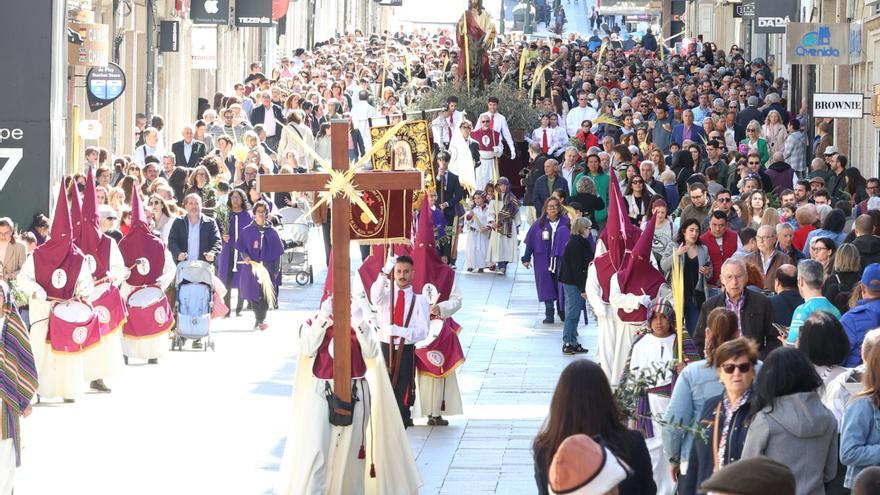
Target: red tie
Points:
(451, 123)
(491, 123)
(544, 146)
(399, 307)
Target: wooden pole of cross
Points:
(340, 235)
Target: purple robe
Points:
(259, 244)
(229, 273)
(544, 256)
(439, 221)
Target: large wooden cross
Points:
(339, 228)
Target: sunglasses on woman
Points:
(742, 367)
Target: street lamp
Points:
(527, 24)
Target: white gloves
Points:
(645, 301)
(389, 265)
(40, 294)
(512, 155)
(498, 150)
(357, 315)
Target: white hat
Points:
(583, 467)
(831, 150)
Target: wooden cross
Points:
(339, 228)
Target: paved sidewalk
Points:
(216, 422)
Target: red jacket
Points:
(799, 239)
(589, 139)
(719, 255)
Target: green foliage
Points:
(221, 215)
(19, 297)
(515, 107)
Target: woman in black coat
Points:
(573, 276)
(583, 403)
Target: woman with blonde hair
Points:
(838, 287)
(859, 435)
(774, 132)
(770, 217)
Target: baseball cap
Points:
(871, 276)
(581, 466)
(831, 150)
(106, 212)
(818, 179)
(755, 476)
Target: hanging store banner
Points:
(812, 43)
(253, 13)
(856, 42)
(204, 47)
(772, 17)
(209, 11)
(838, 105)
(169, 36)
(104, 85)
(88, 44)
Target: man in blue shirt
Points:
(810, 277)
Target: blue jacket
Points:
(856, 323)
(672, 197)
(698, 135)
(542, 191)
(702, 462)
(859, 438)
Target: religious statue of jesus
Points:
(475, 34)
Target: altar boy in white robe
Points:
(476, 222)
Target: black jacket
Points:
(756, 320)
(535, 170)
(869, 249)
(838, 288)
(209, 237)
(177, 180)
(258, 116)
(542, 190)
(198, 152)
(749, 114)
(449, 193)
(638, 459)
(590, 204)
(784, 305)
(575, 261)
(702, 459)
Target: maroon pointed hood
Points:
(638, 276)
(92, 241)
(139, 243)
(619, 233)
(429, 268)
(57, 262)
(75, 213)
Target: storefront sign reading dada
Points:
(814, 43)
(104, 85)
(773, 16)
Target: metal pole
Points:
(527, 23)
(151, 62)
(501, 20)
(115, 57)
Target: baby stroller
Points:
(295, 226)
(195, 300)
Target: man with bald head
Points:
(753, 309)
(866, 242)
(787, 296)
(767, 257)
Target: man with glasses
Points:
(699, 208)
(758, 325)
(584, 111)
(873, 190)
(754, 164)
(231, 127)
(767, 257)
(724, 203)
(836, 183)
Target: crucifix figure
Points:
(340, 220)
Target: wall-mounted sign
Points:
(745, 10)
(253, 13)
(772, 17)
(856, 42)
(89, 129)
(169, 36)
(88, 44)
(204, 47)
(209, 11)
(811, 43)
(876, 111)
(104, 85)
(838, 105)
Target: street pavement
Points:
(216, 421)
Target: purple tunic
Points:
(237, 223)
(259, 244)
(543, 253)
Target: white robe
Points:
(501, 247)
(476, 253)
(652, 352)
(7, 466)
(431, 392)
(156, 346)
(61, 375)
(105, 359)
(624, 332)
(607, 339)
(321, 459)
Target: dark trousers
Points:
(405, 389)
(692, 305)
(325, 229)
(260, 307)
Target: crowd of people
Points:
(649, 169)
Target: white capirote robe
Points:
(7, 466)
(431, 392)
(607, 338)
(501, 247)
(652, 352)
(105, 359)
(321, 459)
(61, 375)
(157, 346)
(477, 250)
